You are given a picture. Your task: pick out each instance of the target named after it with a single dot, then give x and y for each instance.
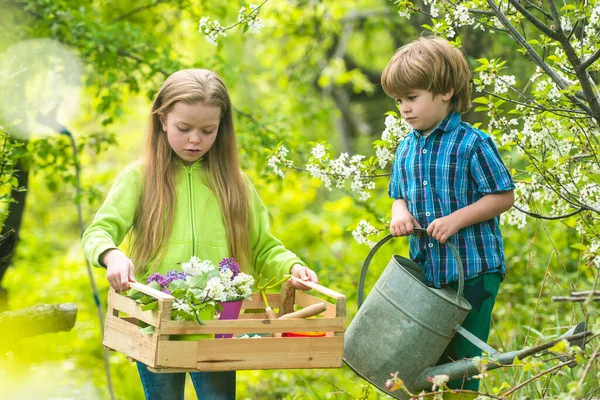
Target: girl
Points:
(187, 197)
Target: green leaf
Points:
(481, 100)
(149, 330)
(135, 294)
(150, 306)
(579, 246)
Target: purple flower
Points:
(230, 264)
(164, 281)
(153, 278)
(175, 275)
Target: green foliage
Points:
(13, 153)
(281, 82)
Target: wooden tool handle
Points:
(307, 311)
(270, 314)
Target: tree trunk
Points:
(13, 221)
(36, 320)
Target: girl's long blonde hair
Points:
(153, 220)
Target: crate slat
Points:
(253, 325)
(133, 309)
(261, 353)
(126, 337)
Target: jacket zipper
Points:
(191, 200)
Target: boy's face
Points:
(423, 110)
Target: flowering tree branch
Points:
(534, 55)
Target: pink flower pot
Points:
(231, 310)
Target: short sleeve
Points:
(487, 169)
(394, 187)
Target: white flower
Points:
(383, 155)
(196, 267)
(318, 151)
(242, 14)
(215, 289)
(362, 230)
(255, 25)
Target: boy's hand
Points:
(442, 229)
(403, 225)
(119, 269)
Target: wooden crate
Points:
(160, 354)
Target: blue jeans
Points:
(170, 386)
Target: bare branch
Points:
(586, 293)
(528, 381)
(555, 17)
(590, 60)
(539, 216)
(588, 366)
(137, 10)
(571, 299)
(540, 9)
(531, 18)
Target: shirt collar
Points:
(448, 124)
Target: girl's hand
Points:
(403, 225)
(119, 269)
(304, 273)
(442, 229)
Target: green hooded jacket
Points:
(198, 227)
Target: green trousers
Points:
(481, 293)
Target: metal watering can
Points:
(405, 326)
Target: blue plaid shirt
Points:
(451, 168)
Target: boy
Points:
(447, 177)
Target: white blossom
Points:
(196, 267)
(363, 230)
(318, 151)
(215, 289)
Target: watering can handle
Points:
(363, 272)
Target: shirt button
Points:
(428, 213)
(430, 245)
(424, 183)
(424, 151)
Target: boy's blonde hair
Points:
(429, 63)
(153, 221)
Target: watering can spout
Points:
(463, 368)
(466, 368)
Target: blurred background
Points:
(311, 74)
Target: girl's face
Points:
(191, 129)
